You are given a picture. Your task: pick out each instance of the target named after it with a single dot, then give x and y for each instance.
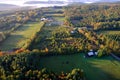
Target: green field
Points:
(22, 35)
(110, 32)
(59, 18)
(105, 68)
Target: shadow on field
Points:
(23, 28)
(102, 71)
(104, 68)
(94, 68)
(11, 42)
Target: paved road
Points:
(116, 57)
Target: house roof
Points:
(90, 53)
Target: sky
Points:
(21, 2)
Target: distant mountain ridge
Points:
(108, 1)
(69, 1)
(84, 1)
(44, 2)
(7, 6)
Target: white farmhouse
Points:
(72, 32)
(43, 19)
(92, 53)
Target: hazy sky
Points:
(20, 2)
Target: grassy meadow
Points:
(105, 68)
(21, 36)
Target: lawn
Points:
(105, 68)
(21, 36)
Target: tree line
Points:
(98, 16)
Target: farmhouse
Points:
(85, 28)
(92, 53)
(82, 28)
(44, 19)
(72, 32)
